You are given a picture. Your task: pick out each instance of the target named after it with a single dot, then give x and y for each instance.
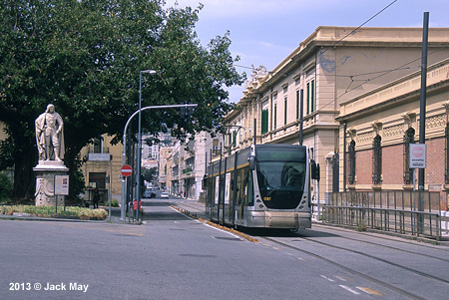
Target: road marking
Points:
(341, 278)
(349, 289)
(330, 279)
(369, 291)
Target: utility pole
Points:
(422, 106)
(422, 117)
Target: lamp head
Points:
(151, 72)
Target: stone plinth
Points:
(45, 182)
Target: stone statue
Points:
(256, 74)
(49, 135)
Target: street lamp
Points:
(139, 141)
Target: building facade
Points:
(301, 97)
(183, 166)
(102, 168)
(377, 128)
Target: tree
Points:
(84, 56)
(150, 175)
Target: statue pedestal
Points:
(45, 182)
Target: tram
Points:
(262, 186)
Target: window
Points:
(215, 148)
(377, 160)
(308, 98)
(312, 96)
(264, 121)
(409, 138)
(297, 104)
(351, 162)
(310, 89)
(285, 111)
(275, 115)
(97, 145)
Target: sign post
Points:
(61, 187)
(418, 159)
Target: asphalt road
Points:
(173, 256)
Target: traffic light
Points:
(315, 169)
(186, 112)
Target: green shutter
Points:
(264, 121)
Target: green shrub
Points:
(114, 203)
(50, 211)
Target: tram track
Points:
(381, 260)
(400, 238)
(357, 273)
(379, 245)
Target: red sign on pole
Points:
(126, 170)
(418, 155)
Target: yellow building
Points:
(102, 168)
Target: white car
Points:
(164, 195)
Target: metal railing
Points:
(404, 212)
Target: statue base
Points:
(45, 182)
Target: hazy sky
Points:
(264, 32)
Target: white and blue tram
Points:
(262, 186)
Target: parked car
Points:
(164, 195)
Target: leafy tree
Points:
(84, 56)
(149, 174)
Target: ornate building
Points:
(300, 99)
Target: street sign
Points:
(61, 184)
(126, 170)
(418, 156)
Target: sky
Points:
(264, 32)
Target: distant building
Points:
(182, 167)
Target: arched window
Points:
(351, 162)
(409, 138)
(377, 160)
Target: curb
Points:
(194, 216)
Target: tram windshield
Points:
(281, 183)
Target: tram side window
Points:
(247, 189)
(238, 187)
